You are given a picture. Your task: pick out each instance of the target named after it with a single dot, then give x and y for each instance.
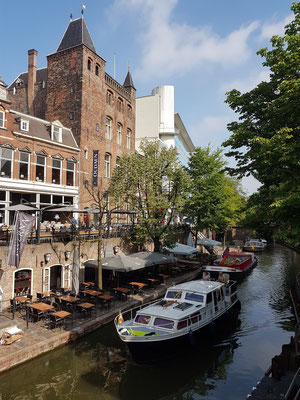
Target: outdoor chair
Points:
(37, 315)
(55, 322)
(81, 311)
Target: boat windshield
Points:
(163, 323)
(199, 298)
(142, 319)
(173, 294)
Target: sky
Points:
(203, 48)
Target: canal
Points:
(98, 367)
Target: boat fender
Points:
(124, 332)
(191, 337)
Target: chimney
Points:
(31, 79)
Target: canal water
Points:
(98, 366)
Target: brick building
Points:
(75, 89)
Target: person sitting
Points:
(223, 278)
(206, 276)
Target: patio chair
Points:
(37, 315)
(83, 312)
(55, 322)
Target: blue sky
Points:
(203, 48)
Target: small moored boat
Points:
(234, 263)
(189, 309)
(254, 245)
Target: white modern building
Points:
(156, 120)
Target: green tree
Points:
(153, 185)
(265, 141)
(214, 199)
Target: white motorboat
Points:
(151, 331)
(254, 245)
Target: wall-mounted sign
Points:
(95, 167)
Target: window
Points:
(6, 156)
(40, 168)
(199, 298)
(117, 162)
(119, 134)
(43, 84)
(72, 89)
(108, 128)
(24, 166)
(86, 154)
(109, 97)
(2, 119)
(174, 294)
(97, 127)
(107, 162)
(89, 64)
(56, 171)
(70, 173)
(129, 110)
(163, 323)
(142, 319)
(128, 139)
(120, 104)
(56, 133)
(24, 126)
(97, 70)
(71, 115)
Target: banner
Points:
(95, 167)
(23, 227)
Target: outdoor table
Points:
(106, 299)
(91, 292)
(153, 281)
(70, 299)
(60, 316)
(139, 284)
(21, 299)
(164, 277)
(87, 306)
(46, 294)
(121, 290)
(88, 283)
(41, 307)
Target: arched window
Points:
(97, 70)
(119, 134)
(108, 128)
(128, 139)
(107, 165)
(109, 97)
(89, 64)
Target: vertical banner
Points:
(95, 167)
(23, 226)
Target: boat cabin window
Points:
(173, 294)
(199, 298)
(195, 317)
(208, 298)
(183, 323)
(142, 319)
(163, 323)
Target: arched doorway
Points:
(56, 277)
(90, 274)
(22, 282)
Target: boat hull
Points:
(145, 352)
(234, 273)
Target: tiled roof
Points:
(76, 34)
(41, 129)
(41, 75)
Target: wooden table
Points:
(62, 314)
(106, 299)
(21, 299)
(87, 306)
(69, 299)
(88, 283)
(91, 292)
(139, 284)
(46, 294)
(41, 306)
(164, 276)
(124, 291)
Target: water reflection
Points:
(98, 366)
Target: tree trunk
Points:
(156, 242)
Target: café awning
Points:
(118, 263)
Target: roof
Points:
(41, 129)
(184, 133)
(128, 80)
(199, 286)
(76, 34)
(41, 75)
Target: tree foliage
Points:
(265, 140)
(153, 185)
(215, 199)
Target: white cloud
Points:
(210, 130)
(170, 48)
(276, 28)
(248, 83)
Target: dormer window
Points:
(56, 133)
(24, 125)
(2, 119)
